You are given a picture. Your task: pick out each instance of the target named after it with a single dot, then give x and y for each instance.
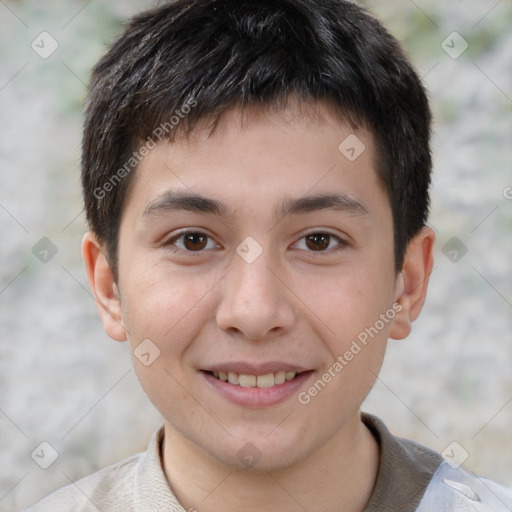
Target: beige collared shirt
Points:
(410, 478)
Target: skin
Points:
(298, 302)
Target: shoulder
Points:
(110, 489)
(405, 470)
(414, 478)
(458, 490)
(135, 483)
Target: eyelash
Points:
(341, 243)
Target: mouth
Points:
(256, 387)
(267, 380)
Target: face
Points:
(261, 255)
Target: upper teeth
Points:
(255, 381)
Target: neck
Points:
(338, 475)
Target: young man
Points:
(256, 179)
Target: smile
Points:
(267, 380)
(256, 387)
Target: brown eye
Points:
(195, 241)
(191, 241)
(318, 241)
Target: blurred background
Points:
(63, 382)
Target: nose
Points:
(255, 302)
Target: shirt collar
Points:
(405, 470)
(152, 492)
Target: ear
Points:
(412, 282)
(103, 286)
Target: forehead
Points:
(260, 156)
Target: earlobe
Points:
(104, 287)
(412, 282)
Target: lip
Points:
(256, 397)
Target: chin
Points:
(261, 452)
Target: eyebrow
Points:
(339, 202)
(175, 201)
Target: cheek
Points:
(339, 390)
(349, 302)
(162, 384)
(164, 305)
(163, 313)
